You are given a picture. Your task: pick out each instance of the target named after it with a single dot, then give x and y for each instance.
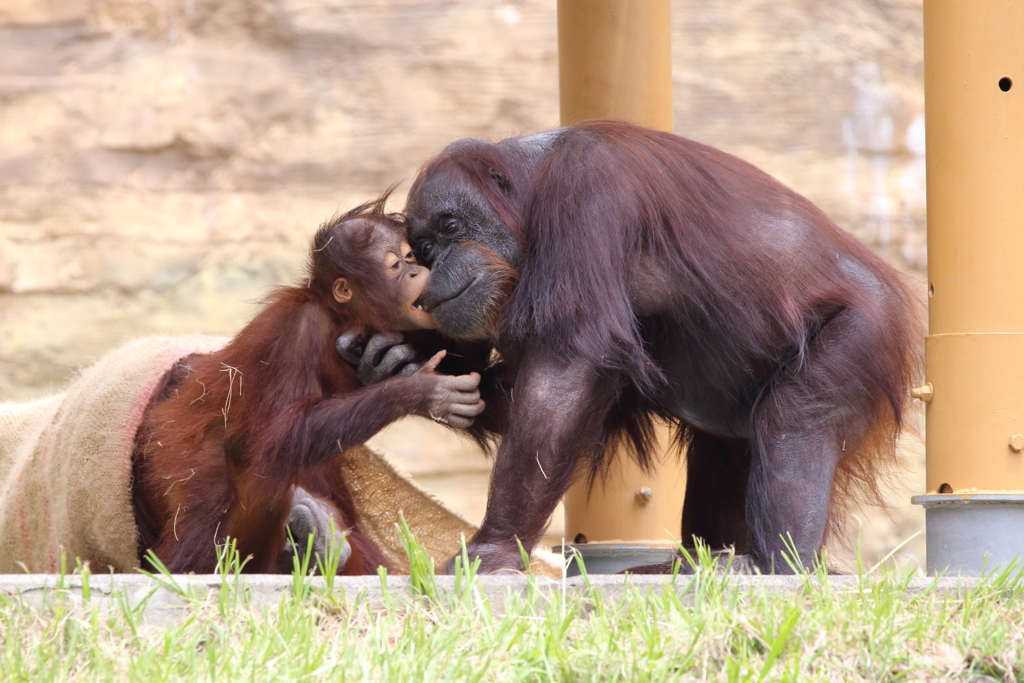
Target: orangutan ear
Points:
(342, 292)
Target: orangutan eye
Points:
(426, 249)
(449, 226)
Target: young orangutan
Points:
(241, 442)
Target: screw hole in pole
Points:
(1005, 83)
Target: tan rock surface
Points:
(163, 164)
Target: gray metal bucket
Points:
(972, 534)
(611, 558)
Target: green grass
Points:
(869, 629)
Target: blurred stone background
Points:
(163, 163)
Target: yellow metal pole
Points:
(974, 113)
(615, 61)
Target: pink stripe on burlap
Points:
(42, 452)
(45, 451)
(138, 411)
(22, 524)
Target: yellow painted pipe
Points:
(615, 61)
(630, 505)
(974, 114)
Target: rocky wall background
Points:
(163, 163)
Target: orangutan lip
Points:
(454, 296)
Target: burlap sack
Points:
(65, 461)
(65, 473)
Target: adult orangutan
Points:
(241, 442)
(624, 272)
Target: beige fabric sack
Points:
(65, 472)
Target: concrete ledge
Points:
(167, 601)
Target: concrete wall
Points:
(164, 162)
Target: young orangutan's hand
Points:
(455, 400)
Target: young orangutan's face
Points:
(401, 267)
(401, 282)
